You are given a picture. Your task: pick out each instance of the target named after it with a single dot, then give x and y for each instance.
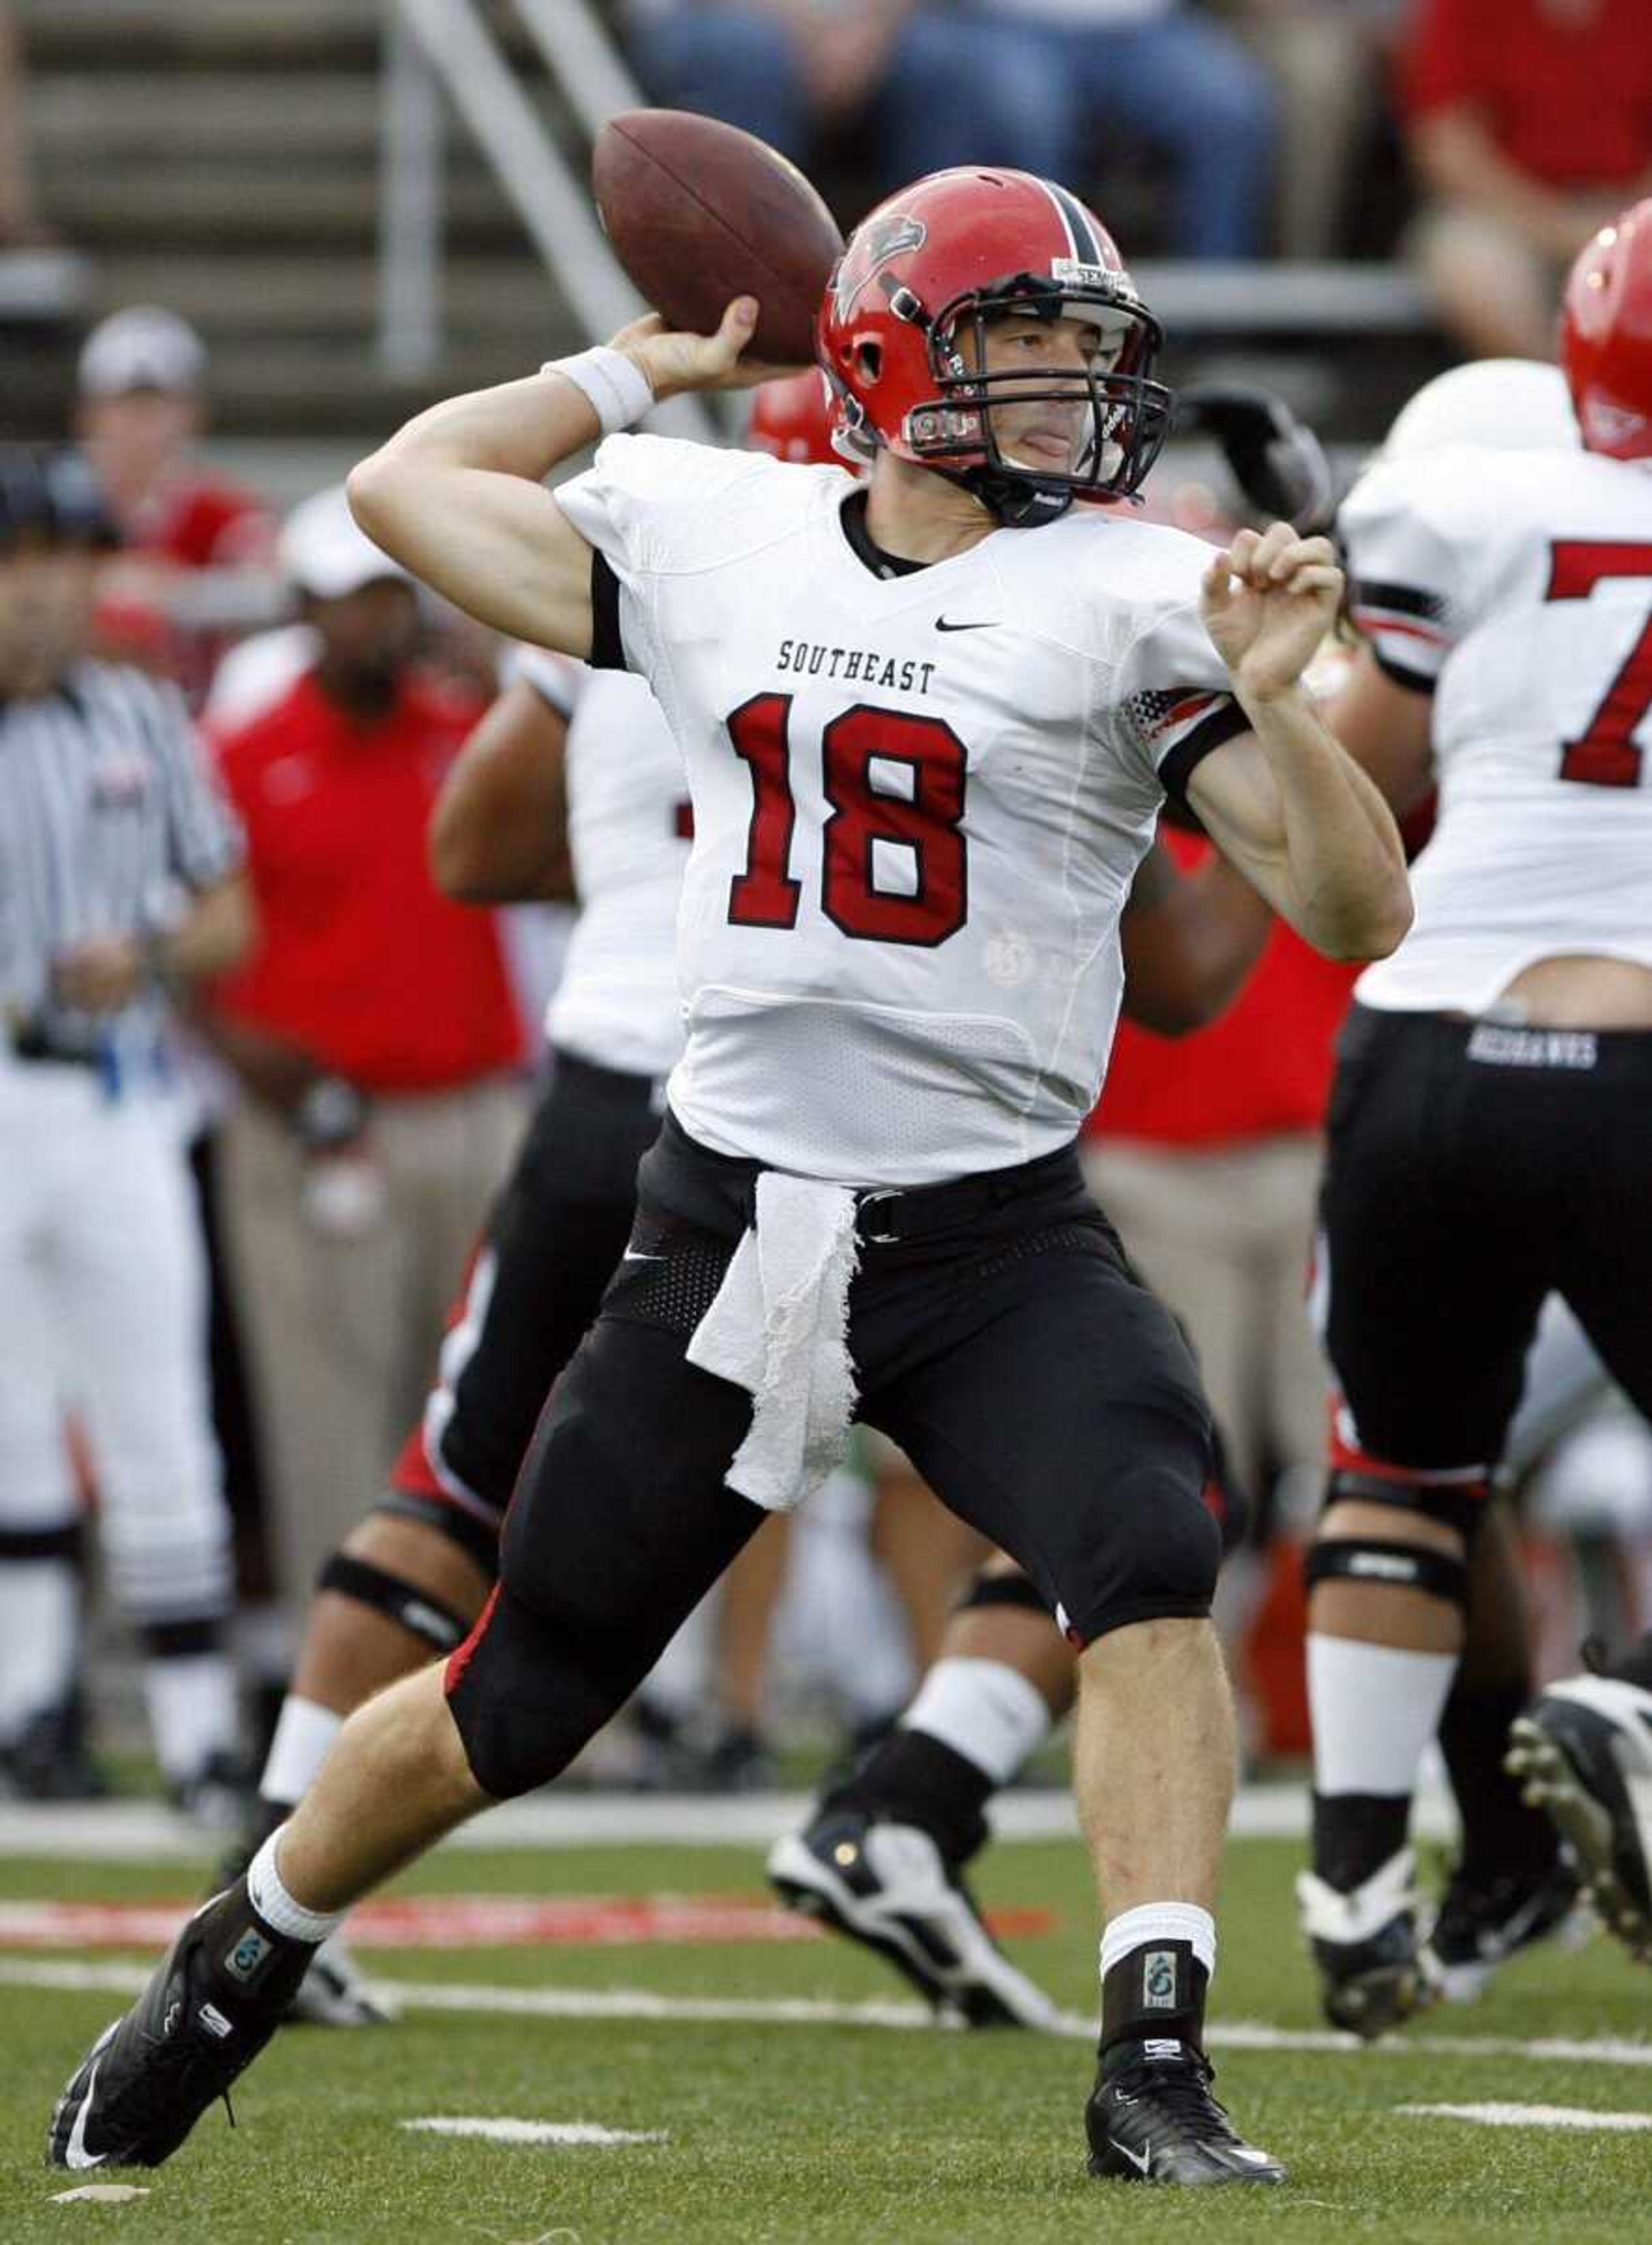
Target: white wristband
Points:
(613, 383)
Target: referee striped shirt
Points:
(109, 816)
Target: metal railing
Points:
(445, 47)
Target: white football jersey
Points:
(920, 798)
(629, 828)
(1517, 588)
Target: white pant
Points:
(103, 1309)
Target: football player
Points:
(929, 720)
(1484, 1132)
(409, 1580)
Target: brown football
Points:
(699, 212)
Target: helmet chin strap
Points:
(1020, 500)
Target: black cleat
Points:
(1365, 1947)
(1151, 2118)
(1479, 1927)
(1584, 1748)
(213, 2003)
(888, 1887)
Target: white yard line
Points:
(146, 1831)
(1530, 2116)
(785, 2012)
(504, 2130)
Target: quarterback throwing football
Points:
(929, 720)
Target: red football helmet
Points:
(1606, 336)
(901, 334)
(793, 416)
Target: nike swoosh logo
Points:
(77, 2155)
(631, 1256)
(987, 623)
(1143, 2161)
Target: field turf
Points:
(784, 2133)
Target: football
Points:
(699, 212)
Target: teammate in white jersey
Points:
(1486, 1139)
(929, 722)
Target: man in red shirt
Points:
(198, 547)
(1530, 124)
(375, 1031)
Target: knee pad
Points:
(1401, 1566)
(32, 1546)
(1456, 1504)
(477, 1538)
(181, 1640)
(418, 1612)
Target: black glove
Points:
(1277, 461)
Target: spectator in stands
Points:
(1165, 72)
(926, 85)
(199, 547)
(375, 1032)
(1530, 126)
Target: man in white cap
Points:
(142, 411)
(375, 1031)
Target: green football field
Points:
(787, 2096)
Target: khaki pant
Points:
(1224, 1237)
(342, 1326)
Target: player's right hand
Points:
(676, 361)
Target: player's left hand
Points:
(1267, 602)
(101, 974)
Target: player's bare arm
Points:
(457, 495)
(498, 833)
(1189, 941)
(1285, 802)
(1387, 729)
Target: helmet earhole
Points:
(869, 359)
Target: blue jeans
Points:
(959, 89)
(1184, 82)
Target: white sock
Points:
(277, 1907)
(304, 1733)
(1375, 1708)
(1160, 1921)
(39, 1638)
(191, 1698)
(984, 1710)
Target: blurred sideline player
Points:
(1486, 1138)
(999, 365)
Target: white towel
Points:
(779, 1327)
